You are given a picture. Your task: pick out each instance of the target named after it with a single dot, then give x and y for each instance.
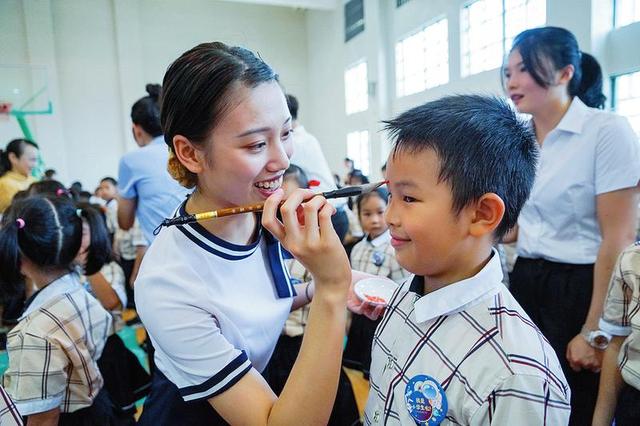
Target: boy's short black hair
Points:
(109, 179)
(482, 147)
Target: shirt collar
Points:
(461, 295)
(157, 140)
(65, 284)
(381, 239)
(16, 176)
(575, 117)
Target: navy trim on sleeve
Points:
(219, 383)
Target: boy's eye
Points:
(408, 199)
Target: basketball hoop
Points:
(5, 109)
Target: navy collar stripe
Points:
(209, 248)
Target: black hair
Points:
(382, 193)
(48, 187)
(299, 174)
(292, 103)
(196, 93)
(109, 179)
(48, 231)
(548, 49)
(481, 144)
(146, 111)
(48, 174)
(15, 147)
(97, 220)
(357, 173)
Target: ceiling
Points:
(304, 4)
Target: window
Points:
(520, 15)
(358, 150)
(356, 88)
(422, 59)
(626, 98)
(626, 12)
(489, 26)
(353, 19)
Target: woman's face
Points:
(248, 151)
(527, 95)
(26, 162)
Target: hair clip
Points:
(60, 192)
(79, 213)
(20, 222)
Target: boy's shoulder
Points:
(494, 334)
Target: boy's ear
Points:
(188, 154)
(489, 211)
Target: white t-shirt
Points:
(213, 309)
(590, 152)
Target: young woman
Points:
(146, 190)
(16, 163)
(582, 208)
(215, 295)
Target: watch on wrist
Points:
(596, 338)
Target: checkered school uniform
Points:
(377, 257)
(297, 320)
(9, 415)
(472, 338)
(620, 316)
(54, 348)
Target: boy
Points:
(454, 347)
(619, 393)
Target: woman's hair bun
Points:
(154, 91)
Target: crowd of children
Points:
(253, 310)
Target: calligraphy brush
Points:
(349, 191)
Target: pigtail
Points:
(100, 247)
(10, 277)
(590, 88)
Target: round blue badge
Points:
(426, 400)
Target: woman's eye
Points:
(287, 134)
(258, 146)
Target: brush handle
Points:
(236, 210)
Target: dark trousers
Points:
(345, 410)
(127, 268)
(628, 408)
(557, 297)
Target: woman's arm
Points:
(126, 212)
(610, 384)
(46, 418)
(617, 213)
(310, 391)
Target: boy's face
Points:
(107, 191)
(426, 234)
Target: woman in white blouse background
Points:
(582, 209)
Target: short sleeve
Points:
(126, 180)
(617, 163)
(191, 350)
(137, 237)
(524, 400)
(36, 378)
(617, 304)
(114, 275)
